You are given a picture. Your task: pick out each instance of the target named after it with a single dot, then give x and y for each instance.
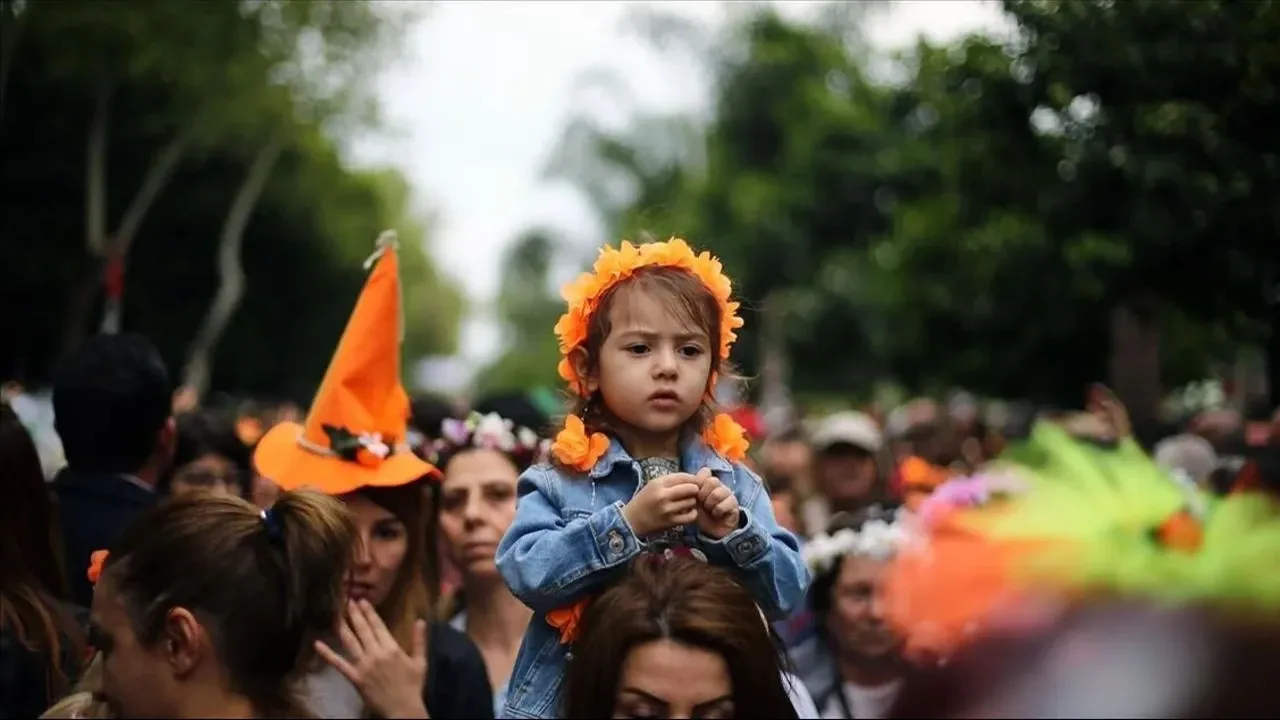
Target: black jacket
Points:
(93, 510)
(457, 682)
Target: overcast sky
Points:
(487, 87)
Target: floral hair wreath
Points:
(573, 446)
(878, 538)
(491, 431)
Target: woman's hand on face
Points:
(389, 680)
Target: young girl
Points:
(643, 462)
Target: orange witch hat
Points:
(354, 436)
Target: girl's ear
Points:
(582, 366)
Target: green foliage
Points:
(240, 71)
(527, 310)
(977, 221)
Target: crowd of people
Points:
(646, 554)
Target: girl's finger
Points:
(708, 488)
(420, 641)
(338, 663)
(725, 508)
(718, 496)
(685, 518)
(374, 621)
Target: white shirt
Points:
(866, 703)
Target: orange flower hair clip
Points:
(617, 264)
(97, 559)
(573, 447)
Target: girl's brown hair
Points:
(267, 587)
(688, 602)
(685, 297)
(413, 594)
(31, 580)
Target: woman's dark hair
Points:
(426, 412)
(32, 585)
(207, 432)
(111, 397)
(265, 587)
(688, 602)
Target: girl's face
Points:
(477, 505)
(211, 473)
(856, 617)
(383, 545)
(653, 368)
(136, 681)
(667, 679)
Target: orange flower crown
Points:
(573, 446)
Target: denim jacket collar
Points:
(694, 455)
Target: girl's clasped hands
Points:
(681, 499)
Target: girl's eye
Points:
(691, 351)
(638, 349)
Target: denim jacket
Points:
(569, 540)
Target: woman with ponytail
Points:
(210, 607)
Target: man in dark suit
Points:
(112, 404)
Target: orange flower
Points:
(567, 619)
(727, 438)
(1181, 532)
(97, 559)
(249, 430)
(367, 458)
(575, 449)
(615, 265)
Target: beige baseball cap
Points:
(848, 427)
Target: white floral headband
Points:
(492, 432)
(877, 538)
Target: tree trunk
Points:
(230, 270)
(95, 221)
(102, 251)
(155, 180)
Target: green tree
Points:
(527, 311)
(303, 240)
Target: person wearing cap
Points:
(848, 470)
(388, 660)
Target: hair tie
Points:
(275, 531)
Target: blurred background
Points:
(1013, 199)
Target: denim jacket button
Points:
(615, 542)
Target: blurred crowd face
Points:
(788, 458)
(856, 619)
(384, 543)
(845, 475)
(477, 505)
(784, 504)
(207, 473)
(667, 679)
